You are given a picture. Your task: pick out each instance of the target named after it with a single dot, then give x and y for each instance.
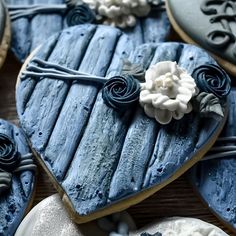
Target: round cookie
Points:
(209, 24)
(17, 177)
(29, 19)
(104, 153)
(215, 178)
(49, 217)
(179, 226)
(4, 32)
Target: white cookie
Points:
(49, 217)
(180, 226)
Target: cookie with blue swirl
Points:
(17, 177)
(80, 111)
(34, 21)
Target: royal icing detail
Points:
(121, 92)
(223, 13)
(211, 78)
(11, 162)
(75, 14)
(120, 13)
(117, 13)
(167, 92)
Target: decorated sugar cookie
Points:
(215, 177)
(179, 226)
(111, 124)
(17, 177)
(4, 32)
(209, 24)
(49, 217)
(33, 22)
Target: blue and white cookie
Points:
(17, 177)
(208, 23)
(215, 177)
(112, 123)
(34, 21)
(4, 31)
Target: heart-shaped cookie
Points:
(103, 152)
(17, 177)
(209, 24)
(35, 21)
(4, 32)
(215, 178)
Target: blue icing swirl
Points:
(121, 92)
(9, 157)
(80, 14)
(211, 78)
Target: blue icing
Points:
(215, 179)
(102, 146)
(14, 201)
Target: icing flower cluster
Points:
(167, 92)
(10, 162)
(120, 13)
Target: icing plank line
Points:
(180, 144)
(21, 37)
(27, 86)
(100, 147)
(88, 178)
(161, 163)
(82, 96)
(191, 57)
(40, 24)
(136, 152)
(136, 33)
(156, 27)
(128, 175)
(41, 117)
(153, 29)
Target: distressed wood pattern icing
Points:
(13, 203)
(215, 180)
(28, 33)
(96, 155)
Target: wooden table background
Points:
(177, 199)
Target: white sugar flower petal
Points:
(149, 110)
(172, 104)
(177, 115)
(167, 92)
(159, 100)
(185, 98)
(163, 116)
(121, 13)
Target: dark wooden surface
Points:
(177, 199)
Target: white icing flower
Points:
(167, 92)
(120, 13)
